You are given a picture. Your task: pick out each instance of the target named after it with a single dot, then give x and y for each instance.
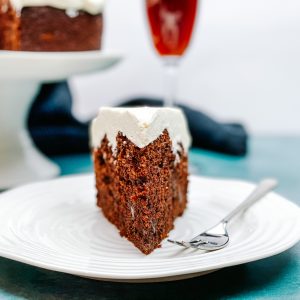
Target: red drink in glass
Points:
(171, 23)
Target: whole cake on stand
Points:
(51, 25)
(141, 166)
(41, 41)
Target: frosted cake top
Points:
(93, 7)
(141, 125)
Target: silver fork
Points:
(217, 236)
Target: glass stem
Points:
(170, 82)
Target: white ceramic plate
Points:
(53, 66)
(57, 226)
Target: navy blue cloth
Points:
(55, 130)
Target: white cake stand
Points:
(21, 74)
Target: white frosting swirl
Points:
(141, 126)
(93, 7)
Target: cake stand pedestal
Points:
(21, 74)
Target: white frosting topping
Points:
(93, 7)
(141, 125)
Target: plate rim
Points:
(162, 276)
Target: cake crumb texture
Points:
(141, 190)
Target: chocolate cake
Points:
(51, 25)
(141, 166)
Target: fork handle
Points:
(263, 188)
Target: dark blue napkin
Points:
(55, 130)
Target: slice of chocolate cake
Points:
(141, 166)
(51, 25)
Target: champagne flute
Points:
(171, 24)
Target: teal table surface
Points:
(277, 277)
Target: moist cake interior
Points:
(141, 191)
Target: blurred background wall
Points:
(243, 63)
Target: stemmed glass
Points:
(171, 24)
